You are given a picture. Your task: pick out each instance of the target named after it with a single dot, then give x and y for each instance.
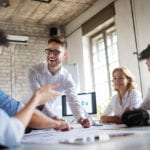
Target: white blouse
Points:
(131, 99)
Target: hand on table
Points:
(85, 122)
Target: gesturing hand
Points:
(45, 93)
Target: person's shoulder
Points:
(66, 75)
(135, 91)
(65, 71)
(39, 66)
(115, 98)
(2, 93)
(116, 95)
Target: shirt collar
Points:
(126, 94)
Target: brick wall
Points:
(17, 58)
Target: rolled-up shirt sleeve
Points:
(20, 106)
(11, 130)
(9, 104)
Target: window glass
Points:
(105, 59)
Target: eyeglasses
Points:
(49, 51)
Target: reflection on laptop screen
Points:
(87, 101)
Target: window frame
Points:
(103, 31)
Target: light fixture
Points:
(44, 1)
(4, 3)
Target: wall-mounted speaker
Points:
(53, 31)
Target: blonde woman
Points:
(127, 96)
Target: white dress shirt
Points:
(11, 130)
(39, 76)
(131, 99)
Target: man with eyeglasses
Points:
(141, 116)
(51, 72)
(15, 117)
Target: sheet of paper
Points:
(105, 133)
(52, 136)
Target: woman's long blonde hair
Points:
(131, 85)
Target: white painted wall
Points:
(76, 23)
(126, 37)
(75, 54)
(142, 22)
(76, 48)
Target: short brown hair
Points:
(59, 40)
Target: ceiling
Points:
(57, 12)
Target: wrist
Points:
(56, 124)
(35, 99)
(81, 120)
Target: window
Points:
(104, 59)
(100, 32)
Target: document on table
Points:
(80, 135)
(52, 137)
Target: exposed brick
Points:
(14, 64)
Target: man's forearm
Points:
(41, 121)
(25, 114)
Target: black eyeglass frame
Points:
(55, 52)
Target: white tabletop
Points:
(118, 139)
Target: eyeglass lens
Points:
(54, 52)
